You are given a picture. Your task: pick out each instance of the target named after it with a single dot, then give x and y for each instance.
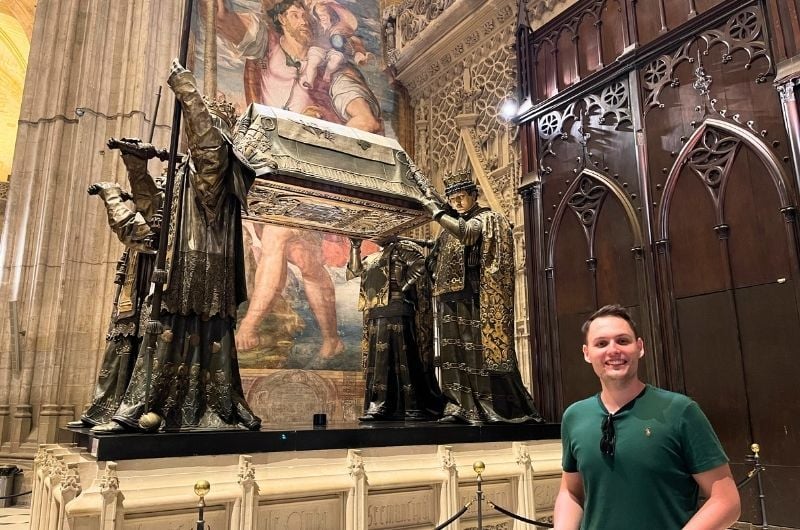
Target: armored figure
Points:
(473, 268)
(134, 227)
(397, 341)
(194, 378)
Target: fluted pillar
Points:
(93, 69)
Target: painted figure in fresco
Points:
(335, 42)
(280, 246)
(397, 341)
(134, 227)
(276, 48)
(473, 265)
(195, 382)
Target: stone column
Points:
(93, 69)
(245, 509)
(448, 500)
(356, 515)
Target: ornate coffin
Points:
(324, 176)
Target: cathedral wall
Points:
(93, 70)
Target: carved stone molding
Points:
(541, 11)
(247, 472)
(109, 481)
(447, 457)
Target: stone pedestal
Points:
(380, 488)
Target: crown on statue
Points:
(460, 180)
(222, 109)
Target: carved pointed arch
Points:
(710, 151)
(467, 155)
(585, 197)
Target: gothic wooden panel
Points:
(589, 45)
(616, 265)
(785, 17)
(545, 70)
(577, 377)
(574, 285)
(770, 331)
(648, 19)
(678, 12)
(567, 59)
(704, 5)
(697, 260)
(574, 300)
(612, 28)
(712, 365)
(758, 242)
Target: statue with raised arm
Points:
(397, 341)
(194, 378)
(136, 228)
(473, 268)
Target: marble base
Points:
(376, 476)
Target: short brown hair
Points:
(612, 310)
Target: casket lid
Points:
(325, 176)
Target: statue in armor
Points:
(473, 270)
(135, 228)
(397, 339)
(194, 380)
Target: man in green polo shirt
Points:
(635, 456)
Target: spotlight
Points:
(508, 108)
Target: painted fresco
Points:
(299, 334)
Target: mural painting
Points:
(298, 336)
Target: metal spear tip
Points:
(201, 488)
(478, 467)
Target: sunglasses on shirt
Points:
(609, 438)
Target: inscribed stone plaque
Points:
(395, 509)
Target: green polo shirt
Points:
(662, 439)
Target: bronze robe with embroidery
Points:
(195, 381)
(397, 345)
(474, 286)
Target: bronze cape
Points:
(474, 286)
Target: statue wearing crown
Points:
(190, 378)
(473, 268)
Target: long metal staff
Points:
(124, 261)
(159, 277)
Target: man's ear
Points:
(640, 343)
(586, 354)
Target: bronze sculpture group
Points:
(187, 376)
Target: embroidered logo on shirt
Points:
(648, 432)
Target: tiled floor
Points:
(15, 518)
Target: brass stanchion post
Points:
(479, 467)
(201, 489)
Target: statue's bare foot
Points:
(112, 427)
(247, 338)
(331, 348)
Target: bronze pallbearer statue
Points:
(473, 266)
(397, 341)
(194, 380)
